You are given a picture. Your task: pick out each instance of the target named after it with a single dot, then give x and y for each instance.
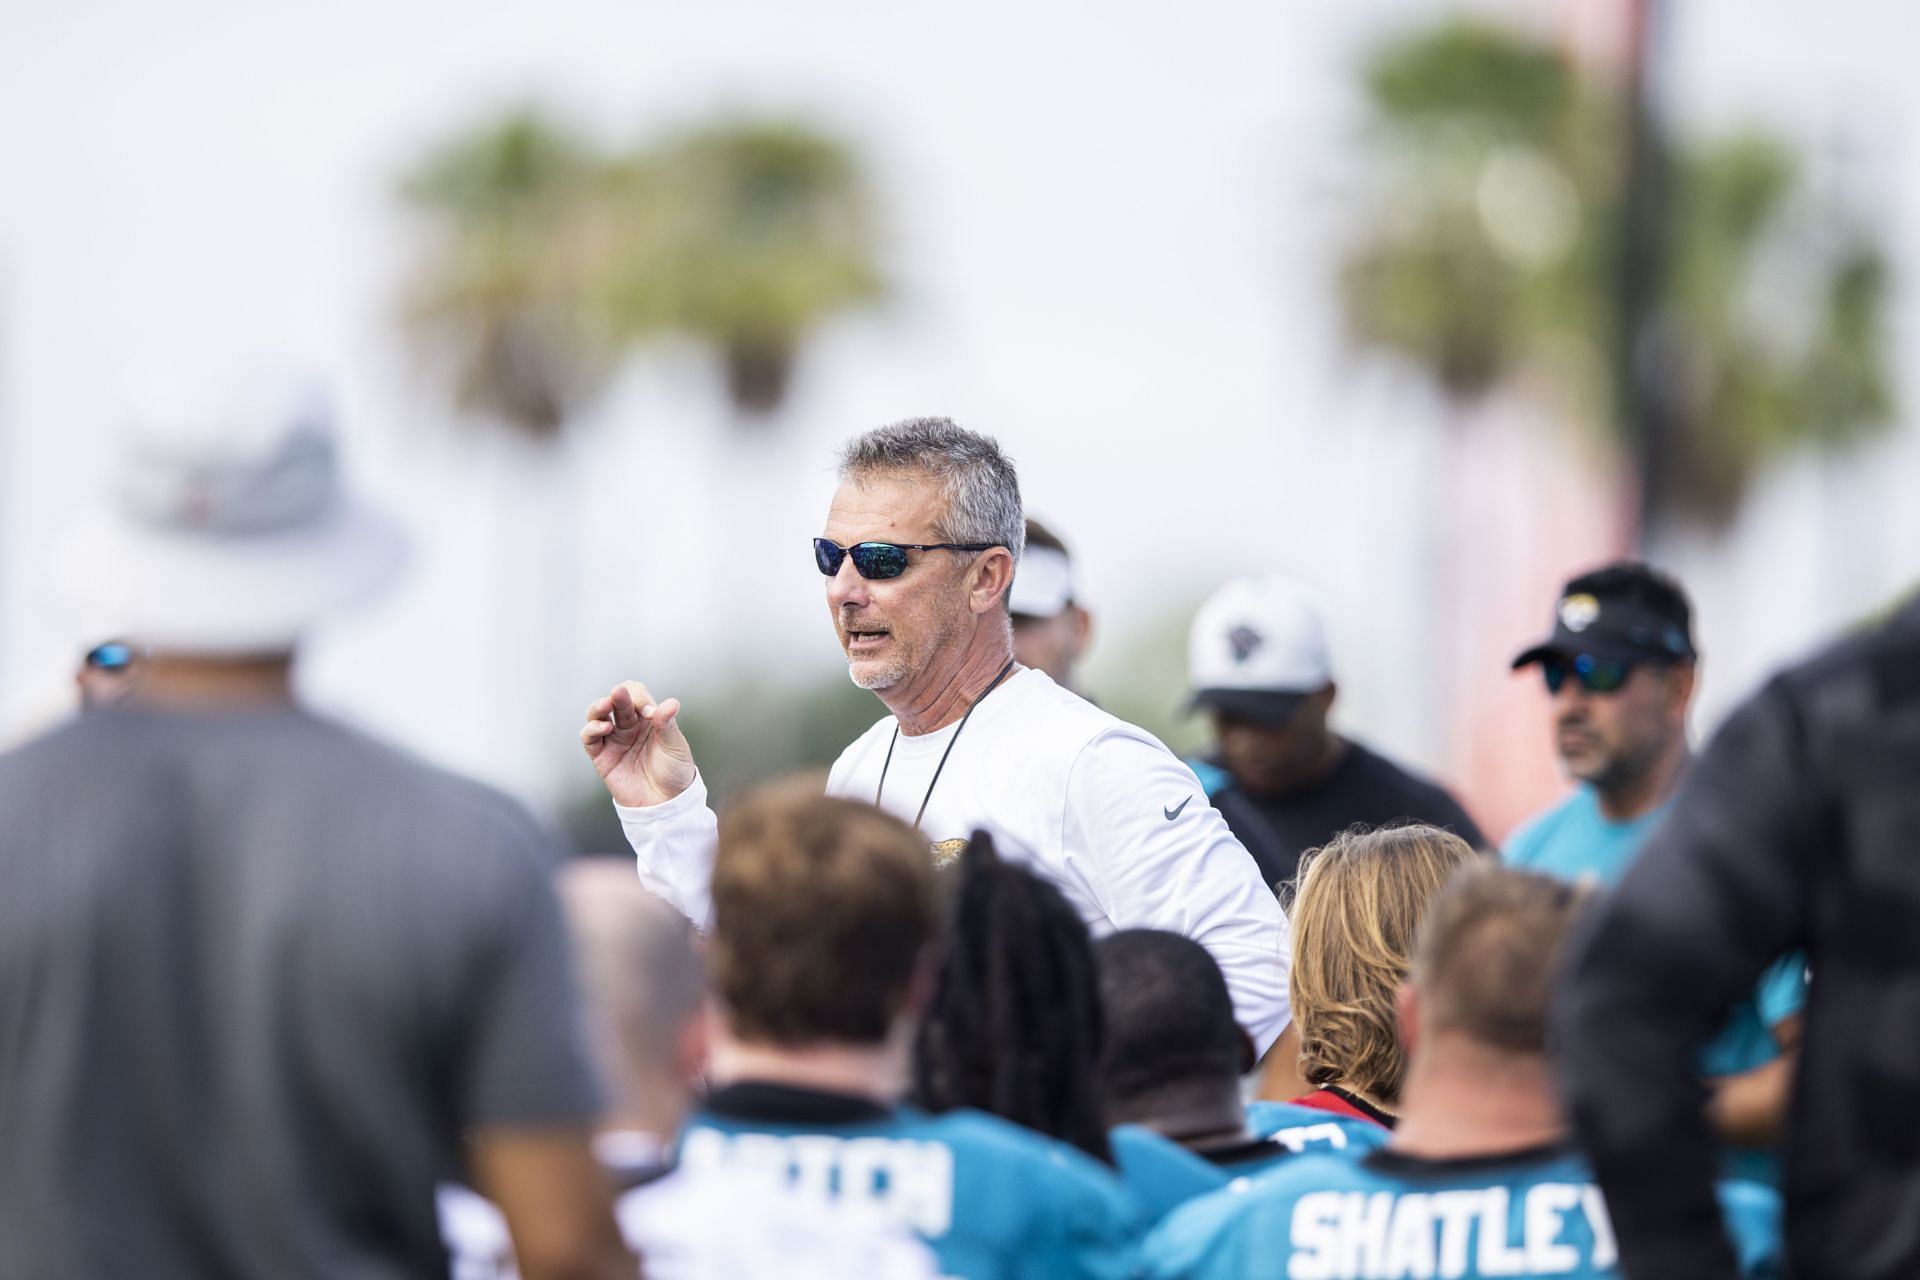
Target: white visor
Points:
(1043, 584)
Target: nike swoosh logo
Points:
(1175, 811)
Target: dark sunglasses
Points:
(881, 559)
(114, 655)
(1595, 676)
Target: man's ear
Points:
(1082, 623)
(992, 575)
(1682, 678)
(1325, 697)
(693, 1046)
(1406, 1010)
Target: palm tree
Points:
(746, 235)
(1492, 260)
(498, 301)
(551, 259)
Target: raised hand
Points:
(636, 746)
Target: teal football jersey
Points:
(1311, 1129)
(1387, 1216)
(1159, 1173)
(994, 1201)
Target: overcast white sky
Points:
(1111, 234)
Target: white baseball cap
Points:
(1257, 649)
(229, 532)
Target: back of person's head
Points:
(1171, 1033)
(1487, 955)
(1015, 1026)
(822, 910)
(640, 972)
(1356, 915)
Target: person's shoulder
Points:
(52, 752)
(1214, 779)
(1045, 731)
(1059, 713)
(1311, 1129)
(1217, 1234)
(1160, 1173)
(872, 738)
(1383, 770)
(1523, 847)
(1072, 1185)
(1884, 648)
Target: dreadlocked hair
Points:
(1015, 1027)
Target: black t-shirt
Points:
(1363, 788)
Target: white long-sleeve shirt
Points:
(1096, 805)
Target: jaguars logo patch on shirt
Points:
(947, 852)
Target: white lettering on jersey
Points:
(1605, 1251)
(1544, 1216)
(1456, 1211)
(907, 1180)
(1365, 1239)
(1416, 1235)
(1497, 1254)
(1410, 1243)
(1315, 1235)
(1301, 1136)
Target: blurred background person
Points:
(1620, 668)
(265, 980)
(107, 673)
(1797, 828)
(825, 920)
(1051, 628)
(1479, 1178)
(1284, 780)
(1356, 915)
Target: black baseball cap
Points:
(1625, 612)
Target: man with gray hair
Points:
(919, 551)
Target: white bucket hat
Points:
(229, 533)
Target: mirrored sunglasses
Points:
(1594, 675)
(881, 559)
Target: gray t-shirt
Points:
(258, 974)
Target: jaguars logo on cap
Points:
(1578, 612)
(947, 852)
(1243, 640)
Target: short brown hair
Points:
(821, 909)
(1355, 917)
(1486, 960)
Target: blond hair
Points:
(1355, 916)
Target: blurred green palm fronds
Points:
(546, 257)
(1489, 257)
